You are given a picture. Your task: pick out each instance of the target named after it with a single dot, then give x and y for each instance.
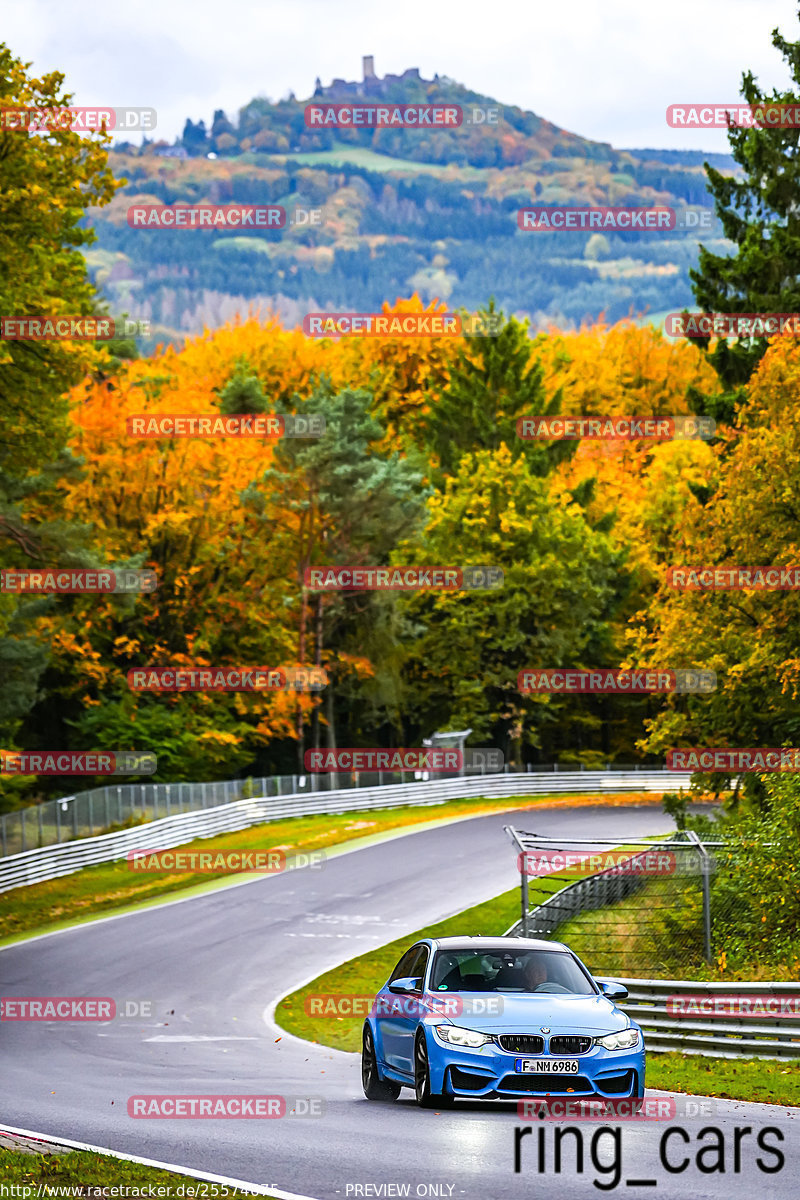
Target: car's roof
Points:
(495, 943)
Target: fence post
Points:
(39, 806)
(3, 832)
(705, 868)
(74, 803)
(91, 816)
(119, 803)
(22, 823)
(706, 911)
(169, 807)
(108, 810)
(58, 825)
(523, 879)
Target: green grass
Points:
(638, 947)
(112, 887)
(362, 157)
(82, 1168)
(731, 1078)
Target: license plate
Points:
(546, 1066)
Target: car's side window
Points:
(403, 968)
(420, 963)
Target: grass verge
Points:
(111, 887)
(729, 1078)
(86, 1170)
(736, 1079)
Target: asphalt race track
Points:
(215, 965)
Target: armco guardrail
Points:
(51, 862)
(713, 1036)
(99, 809)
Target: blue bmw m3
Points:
(490, 1018)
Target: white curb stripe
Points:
(257, 1188)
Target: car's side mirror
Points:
(405, 986)
(613, 990)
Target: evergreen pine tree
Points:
(760, 214)
(493, 382)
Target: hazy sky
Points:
(603, 70)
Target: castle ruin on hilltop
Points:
(370, 85)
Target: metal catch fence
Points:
(641, 906)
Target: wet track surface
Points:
(214, 966)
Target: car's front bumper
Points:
(489, 1072)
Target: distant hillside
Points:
(402, 211)
(687, 158)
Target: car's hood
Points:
(528, 1014)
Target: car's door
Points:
(398, 1015)
(406, 1023)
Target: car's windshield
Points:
(509, 971)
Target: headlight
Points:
(457, 1036)
(626, 1039)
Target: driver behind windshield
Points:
(534, 972)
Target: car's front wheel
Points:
(375, 1088)
(422, 1078)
